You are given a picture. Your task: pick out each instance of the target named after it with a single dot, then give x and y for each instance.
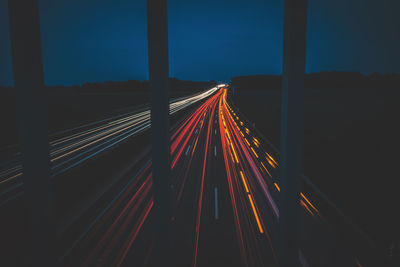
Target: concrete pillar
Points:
(295, 20)
(157, 34)
(32, 128)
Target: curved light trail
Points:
(224, 183)
(83, 143)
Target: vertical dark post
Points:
(32, 123)
(294, 50)
(157, 34)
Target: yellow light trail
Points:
(270, 162)
(312, 206)
(254, 152)
(256, 215)
(233, 160)
(247, 141)
(234, 153)
(277, 187)
(265, 168)
(306, 207)
(271, 158)
(227, 133)
(244, 182)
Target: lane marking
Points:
(216, 203)
(215, 151)
(196, 131)
(215, 131)
(187, 150)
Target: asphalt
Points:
(225, 210)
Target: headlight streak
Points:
(76, 148)
(193, 122)
(134, 204)
(200, 201)
(253, 183)
(120, 223)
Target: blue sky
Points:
(100, 40)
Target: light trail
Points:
(242, 192)
(250, 188)
(236, 131)
(252, 179)
(257, 174)
(256, 214)
(90, 141)
(130, 210)
(200, 201)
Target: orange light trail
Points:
(312, 206)
(265, 168)
(306, 207)
(271, 158)
(277, 187)
(244, 182)
(256, 215)
(232, 192)
(200, 201)
(270, 162)
(254, 152)
(234, 153)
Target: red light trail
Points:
(251, 175)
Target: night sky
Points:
(99, 40)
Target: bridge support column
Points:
(32, 127)
(294, 49)
(157, 34)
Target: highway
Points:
(74, 147)
(225, 188)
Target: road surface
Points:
(225, 186)
(78, 145)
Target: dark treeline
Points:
(332, 80)
(176, 86)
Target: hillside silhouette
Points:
(331, 79)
